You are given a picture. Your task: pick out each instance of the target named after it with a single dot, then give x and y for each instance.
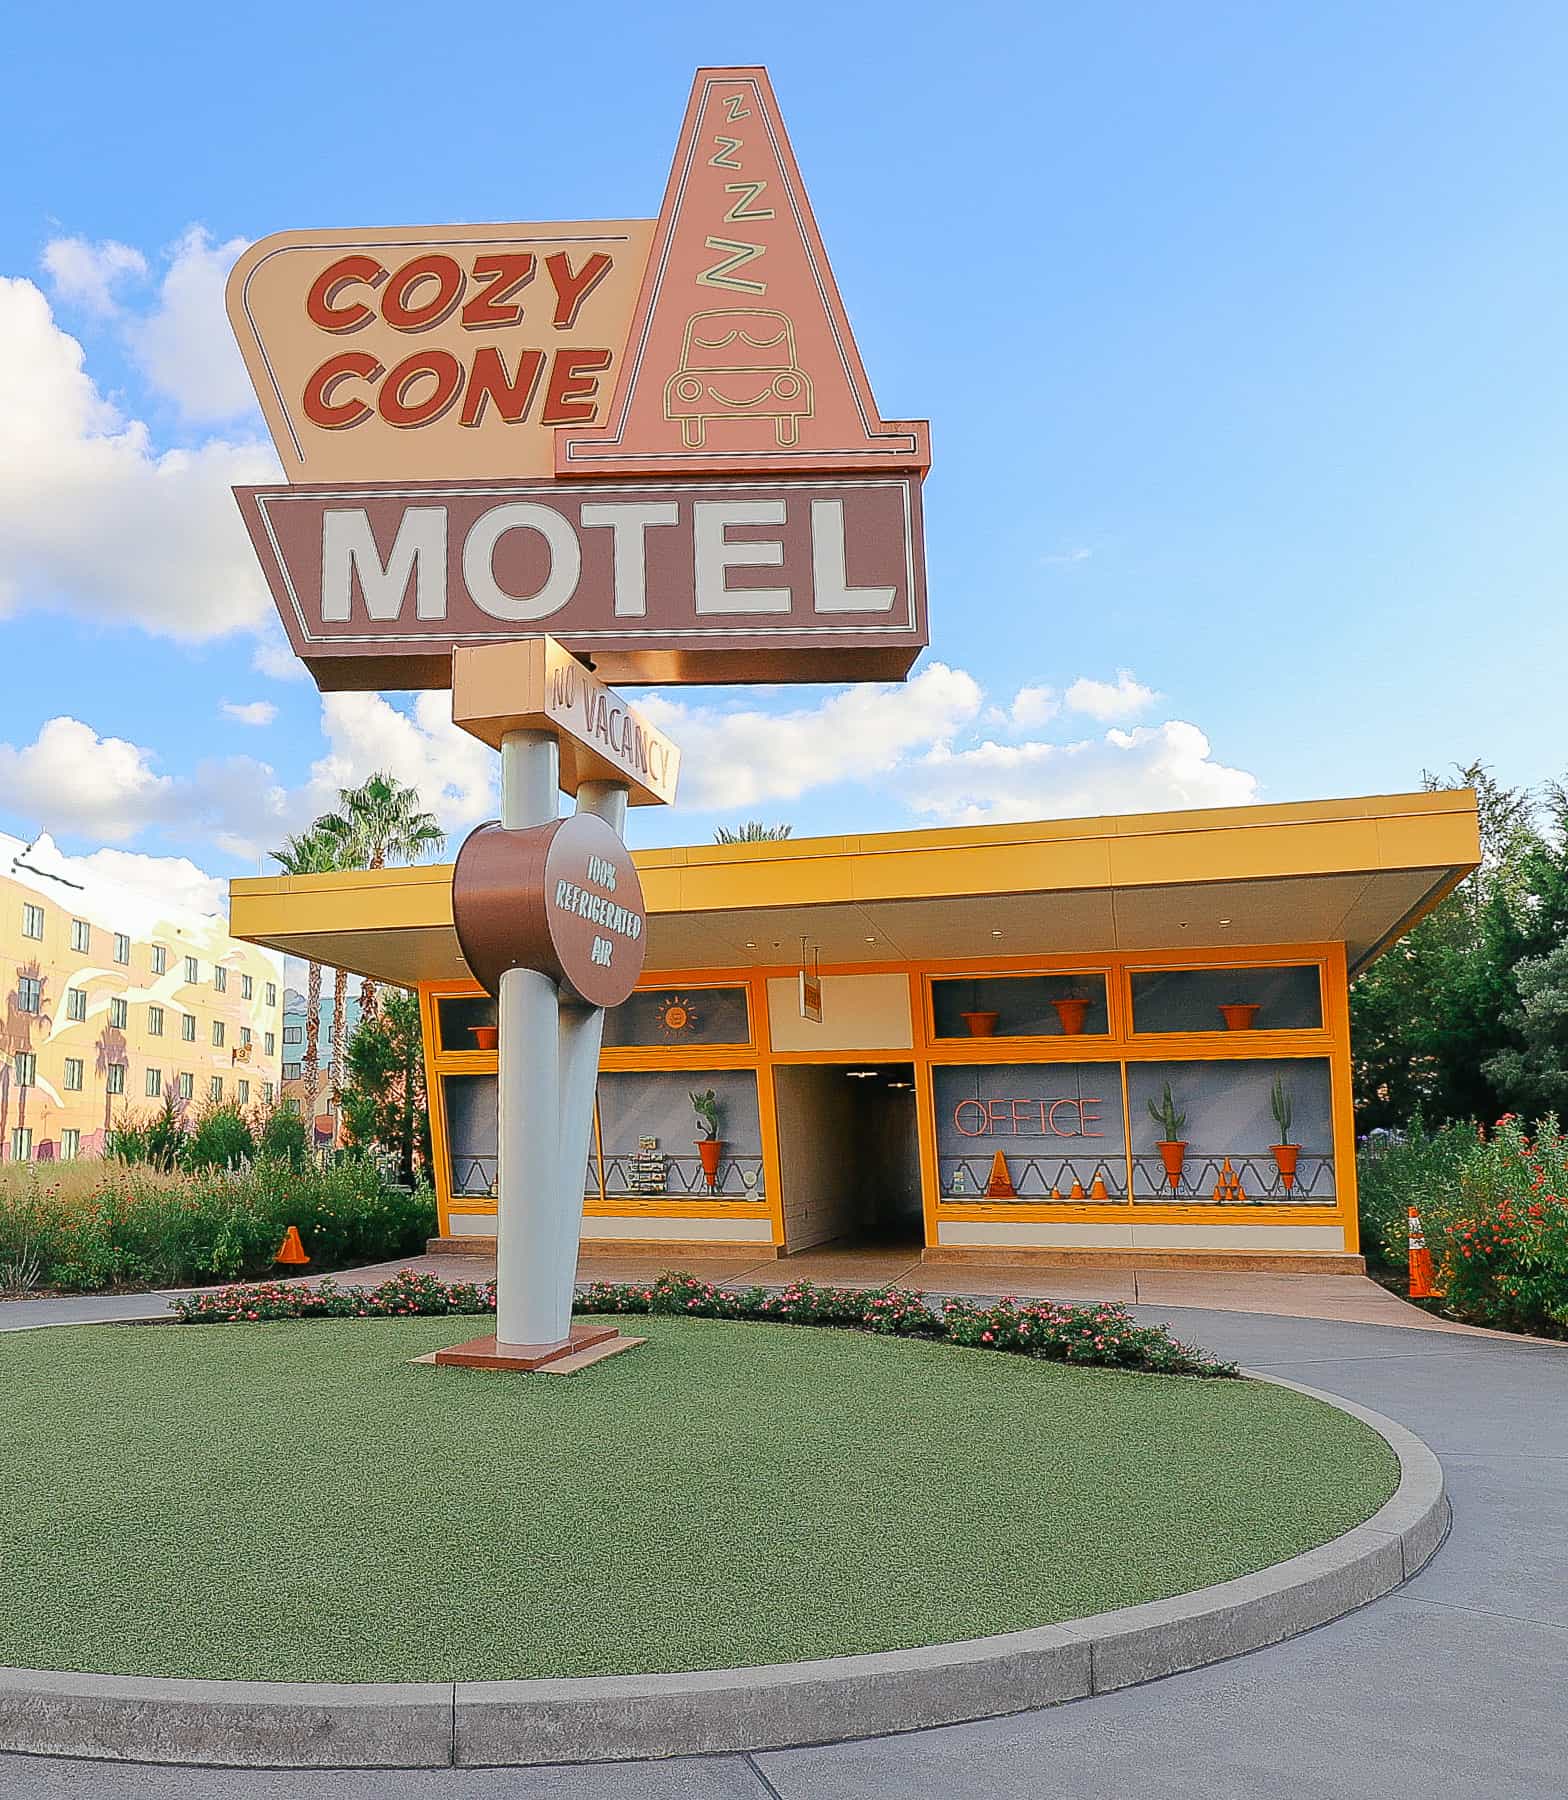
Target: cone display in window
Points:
(1097, 1188)
(1228, 1189)
(1000, 1184)
(292, 1251)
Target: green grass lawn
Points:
(299, 1502)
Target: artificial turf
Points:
(300, 1502)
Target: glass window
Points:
(160, 960)
(116, 1078)
(293, 1034)
(1019, 1006)
(247, 987)
(470, 1128)
(76, 1004)
(119, 1014)
(269, 1043)
(155, 1021)
(192, 969)
(1227, 999)
(1056, 1127)
(32, 921)
(650, 1134)
(187, 1086)
(458, 1015)
(81, 935)
(154, 1083)
(292, 1071)
(215, 1088)
(70, 1144)
(26, 1068)
(188, 1027)
(1230, 1134)
(217, 1034)
(679, 1015)
(29, 993)
(73, 1075)
(266, 1093)
(245, 1038)
(122, 947)
(22, 1143)
(220, 978)
(244, 1093)
(272, 993)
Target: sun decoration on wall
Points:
(677, 1016)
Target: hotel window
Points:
(192, 971)
(292, 1071)
(293, 1034)
(1248, 999)
(220, 978)
(244, 1093)
(155, 1021)
(32, 921)
(266, 1093)
(122, 947)
(269, 1043)
(187, 1086)
(70, 1144)
(73, 1075)
(272, 993)
(290, 1104)
(116, 1081)
(154, 1083)
(160, 960)
(247, 987)
(29, 993)
(217, 1034)
(245, 1039)
(656, 1016)
(188, 1027)
(26, 1068)
(76, 1004)
(81, 935)
(1049, 1131)
(215, 1087)
(22, 1143)
(1008, 1006)
(119, 1014)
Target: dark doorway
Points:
(849, 1154)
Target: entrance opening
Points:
(849, 1154)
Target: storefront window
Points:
(1230, 1146)
(471, 1137)
(650, 1134)
(456, 1018)
(671, 1017)
(1288, 999)
(1031, 1131)
(1019, 1006)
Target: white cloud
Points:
(1123, 698)
(86, 275)
(250, 712)
(1032, 706)
(1079, 553)
(167, 880)
(93, 521)
(455, 773)
(274, 656)
(185, 347)
(738, 758)
(1149, 769)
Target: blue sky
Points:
(1258, 393)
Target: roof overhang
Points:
(1357, 872)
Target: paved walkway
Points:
(1451, 1689)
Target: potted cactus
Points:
(1286, 1150)
(710, 1146)
(1172, 1146)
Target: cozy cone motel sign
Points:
(645, 449)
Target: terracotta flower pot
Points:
(1238, 1016)
(1173, 1153)
(711, 1150)
(485, 1036)
(1285, 1155)
(981, 1024)
(1072, 1010)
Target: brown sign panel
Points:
(768, 580)
(561, 898)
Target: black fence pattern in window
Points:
(1047, 1178)
(1255, 1180)
(683, 1178)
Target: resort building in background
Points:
(1114, 1038)
(115, 1001)
(320, 1107)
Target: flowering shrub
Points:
(1100, 1335)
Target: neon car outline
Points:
(722, 354)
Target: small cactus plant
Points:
(706, 1107)
(1170, 1121)
(1280, 1104)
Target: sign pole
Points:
(528, 1122)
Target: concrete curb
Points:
(624, 1717)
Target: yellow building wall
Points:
(46, 1044)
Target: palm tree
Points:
(111, 1050)
(752, 832)
(378, 822)
(20, 1023)
(312, 853)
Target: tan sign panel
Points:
(434, 352)
(536, 684)
(819, 580)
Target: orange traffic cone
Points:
(1000, 1186)
(292, 1250)
(1422, 1286)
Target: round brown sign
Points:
(561, 898)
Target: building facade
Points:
(1117, 1038)
(319, 1109)
(113, 1002)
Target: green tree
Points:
(384, 1101)
(379, 822)
(752, 832)
(1534, 1076)
(312, 853)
